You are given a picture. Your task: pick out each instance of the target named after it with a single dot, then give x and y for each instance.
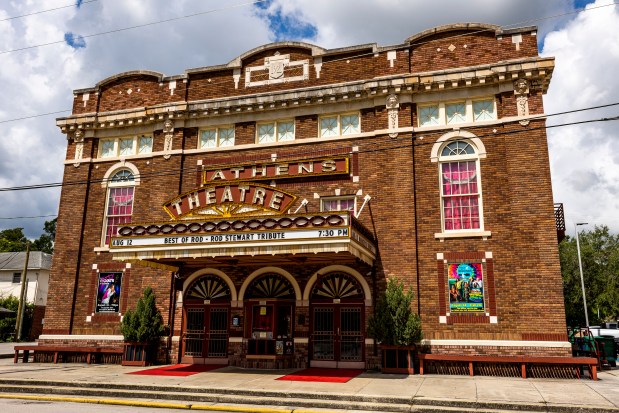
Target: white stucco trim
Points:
(259, 272)
(454, 135)
(121, 165)
(81, 337)
(498, 343)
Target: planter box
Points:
(137, 354)
(398, 359)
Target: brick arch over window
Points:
(457, 135)
(285, 274)
(338, 268)
(112, 170)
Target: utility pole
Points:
(22, 296)
(582, 278)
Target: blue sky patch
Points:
(74, 40)
(286, 27)
(580, 4)
(79, 3)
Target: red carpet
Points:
(178, 370)
(323, 375)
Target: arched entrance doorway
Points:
(337, 322)
(269, 308)
(206, 306)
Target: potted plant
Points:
(396, 328)
(141, 329)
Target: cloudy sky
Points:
(48, 48)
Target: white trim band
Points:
(497, 343)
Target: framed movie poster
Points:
(108, 292)
(466, 288)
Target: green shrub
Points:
(7, 324)
(394, 323)
(144, 324)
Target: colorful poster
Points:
(466, 288)
(108, 292)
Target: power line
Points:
(123, 29)
(211, 84)
(172, 172)
(37, 216)
(47, 10)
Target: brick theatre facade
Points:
(267, 200)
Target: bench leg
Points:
(471, 368)
(523, 369)
(55, 357)
(594, 372)
(26, 354)
(16, 356)
(421, 367)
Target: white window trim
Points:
(339, 123)
(435, 156)
(469, 115)
(338, 198)
(107, 184)
(276, 127)
(217, 139)
(117, 155)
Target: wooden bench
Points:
(590, 362)
(61, 351)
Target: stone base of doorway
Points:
(268, 362)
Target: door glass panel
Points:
(351, 339)
(194, 334)
(323, 348)
(218, 333)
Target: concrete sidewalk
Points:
(371, 391)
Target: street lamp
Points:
(582, 279)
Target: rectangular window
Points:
(281, 131)
(119, 210)
(145, 144)
(345, 203)
(429, 115)
(216, 137)
(108, 292)
(460, 195)
(456, 112)
(340, 125)
(126, 146)
(483, 110)
(16, 277)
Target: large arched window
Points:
(461, 206)
(119, 205)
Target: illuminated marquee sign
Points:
(277, 170)
(226, 200)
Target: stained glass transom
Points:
(266, 133)
(456, 112)
(337, 285)
(429, 115)
(350, 124)
(329, 127)
(209, 287)
(458, 148)
(145, 144)
(271, 285)
(483, 110)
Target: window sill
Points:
(463, 234)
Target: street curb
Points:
(133, 403)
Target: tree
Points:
(13, 240)
(45, 242)
(144, 324)
(394, 322)
(600, 263)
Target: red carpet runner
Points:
(178, 370)
(323, 375)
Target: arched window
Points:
(461, 206)
(119, 205)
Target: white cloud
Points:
(42, 79)
(584, 163)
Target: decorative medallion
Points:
(270, 285)
(521, 90)
(337, 285)
(168, 131)
(279, 69)
(393, 104)
(208, 287)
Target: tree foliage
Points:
(14, 240)
(7, 324)
(394, 322)
(144, 324)
(599, 251)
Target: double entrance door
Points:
(337, 338)
(206, 333)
